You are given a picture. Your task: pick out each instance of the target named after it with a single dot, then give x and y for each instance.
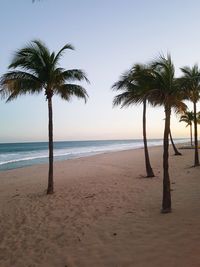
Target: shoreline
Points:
(76, 158)
(86, 155)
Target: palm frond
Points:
(125, 80)
(66, 91)
(60, 53)
(17, 83)
(34, 58)
(126, 99)
(187, 117)
(74, 75)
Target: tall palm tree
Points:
(167, 93)
(188, 118)
(36, 69)
(134, 84)
(190, 81)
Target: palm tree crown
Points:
(134, 85)
(190, 82)
(166, 90)
(39, 70)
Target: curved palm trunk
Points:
(166, 202)
(191, 134)
(50, 176)
(147, 160)
(196, 154)
(176, 152)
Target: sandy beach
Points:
(104, 213)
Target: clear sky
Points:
(109, 36)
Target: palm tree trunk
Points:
(50, 176)
(176, 152)
(166, 203)
(191, 134)
(149, 170)
(196, 154)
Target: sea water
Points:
(16, 155)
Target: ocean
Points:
(17, 155)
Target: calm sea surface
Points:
(16, 155)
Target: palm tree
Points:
(176, 152)
(190, 81)
(188, 118)
(167, 93)
(36, 69)
(134, 84)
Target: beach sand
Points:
(104, 213)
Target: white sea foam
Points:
(14, 159)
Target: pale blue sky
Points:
(109, 36)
